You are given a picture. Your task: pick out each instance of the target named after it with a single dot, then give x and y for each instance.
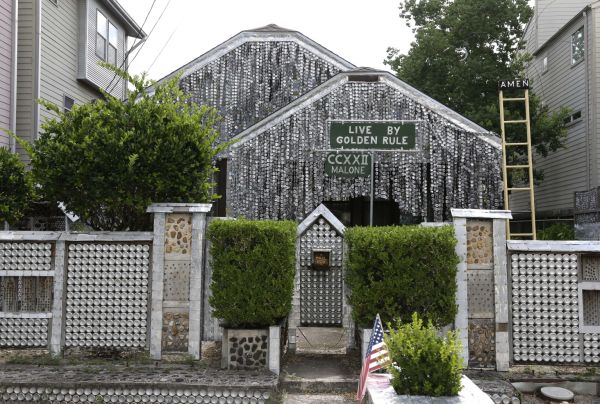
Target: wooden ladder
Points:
(508, 189)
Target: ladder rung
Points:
(514, 99)
(516, 144)
(519, 166)
(517, 121)
(520, 189)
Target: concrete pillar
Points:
(501, 295)
(461, 323)
(58, 303)
(177, 262)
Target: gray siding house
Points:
(61, 64)
(563, 37)
(7, 70)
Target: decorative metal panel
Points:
(590, 267)
(545, 308)
(321, 290)
(591, 307)
(22, 256)
(254, 80)
(480, 289)
(26, 294)
(280, 174)
(23, 332)
(107, 295)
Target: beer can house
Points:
(310, 128)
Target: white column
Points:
(56, 328)
(196, 270)
(156, 307)
(461, 323)
(501, 296)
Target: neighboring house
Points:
(7, 70)
(58, 44)
(564, 38)
(277, 91)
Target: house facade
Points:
(61, 64)
(278, 92)
(563, 38)
(7, 70)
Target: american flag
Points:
(377, 356)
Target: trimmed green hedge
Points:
(396, 271)
(423, 363)
(253, 265)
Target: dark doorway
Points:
(220, 205)
(355, 212)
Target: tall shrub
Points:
(108, 160)
(395, 271)
(422, 362)
(253, 271)
(16, 188)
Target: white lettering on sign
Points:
(393, 130)
(396, 141)
(348, 159)
(360, 130)
(349, 140)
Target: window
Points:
(545, 64)
(101, 35)
(577, 46)
(107, 39)
(573, 118)
(68, 103)
(113, 35)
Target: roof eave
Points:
(131, 27)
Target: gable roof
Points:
(268, 33)
(383, 77)
(320, 211)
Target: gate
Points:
(320, 296)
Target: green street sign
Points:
(383, 135)
(345, 164)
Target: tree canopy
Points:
(460, 51)
(108, 160)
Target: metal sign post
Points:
(356, 140)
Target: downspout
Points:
(37, 72)
(13, 77)
(587, 98)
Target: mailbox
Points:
(321, 259)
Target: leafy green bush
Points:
(107, 161)
(395, 271)
(423, 363)
(557, 231)
(253, 271)
(16, 188)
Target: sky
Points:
(357, 30)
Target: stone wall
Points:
(245, 349)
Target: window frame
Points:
(574, 37)
(65, 98)
(109, 48)
(104, 37)
(545, 64)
